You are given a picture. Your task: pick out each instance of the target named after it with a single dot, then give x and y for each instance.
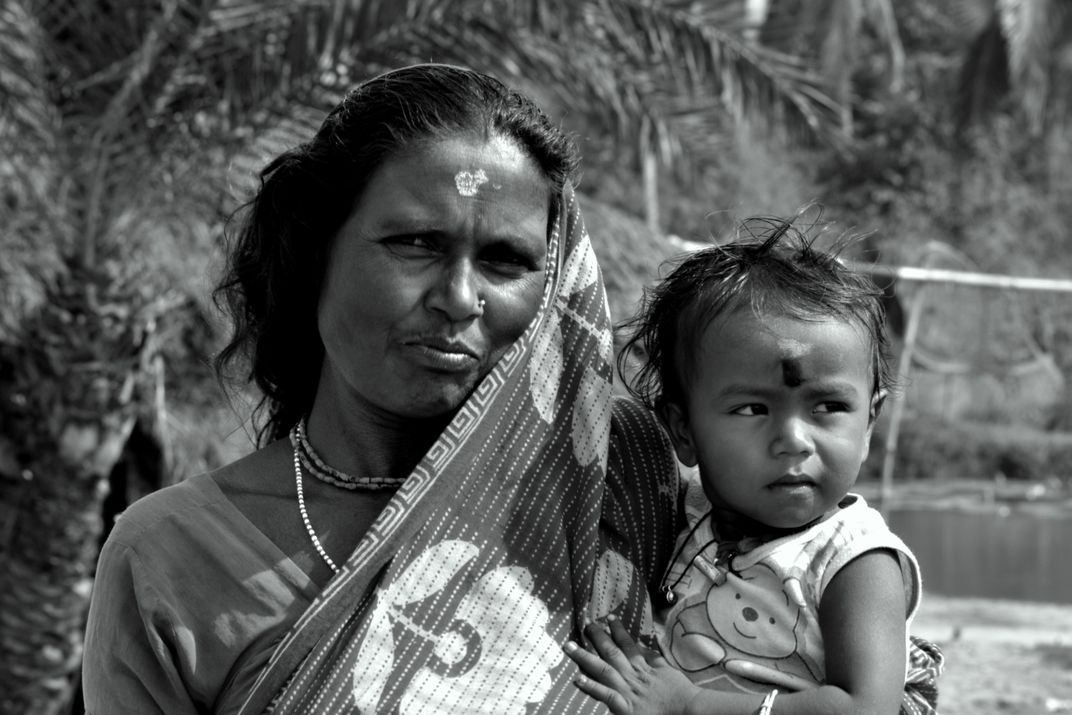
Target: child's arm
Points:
(862, 618)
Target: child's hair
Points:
(775, 270)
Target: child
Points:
(767, 360)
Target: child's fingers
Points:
(619, 649)
(608, 664)
(607, 649)
(621, 636)
(608, 696)
(764, 674)
(655, 659)
(591, 664)
(637, 654)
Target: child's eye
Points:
(752, 409)
(829, 407)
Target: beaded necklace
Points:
(305, 517)
(305, 455)
(726, 550)
(312, 463)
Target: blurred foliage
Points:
(931, 448)
(957, 128)
(973, 150)
(139, 127)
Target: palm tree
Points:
(1017, 48)
(118, 121)
(1011, 102)
(831, 33)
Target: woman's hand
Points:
(627, 678)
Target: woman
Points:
(446, 492)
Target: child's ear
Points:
(677, 423)
(873, 412)
(877, 401)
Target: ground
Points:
(1002, 657)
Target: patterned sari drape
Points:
(545, 502)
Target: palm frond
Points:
(137, 83)
(709, 53)
(1031, 29)
(614, 62)
(28, 118)
(983, 76)
(1016, 53)
(971, 16)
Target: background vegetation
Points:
(129, 132)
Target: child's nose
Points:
(793, 437)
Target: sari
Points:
(546, 503)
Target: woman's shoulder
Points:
(642, 488)
(642, 469)
(632, 419)
(264, 472)
(639, 446)
(170, 504)
(188, 591)
(189, 507)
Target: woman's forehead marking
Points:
(790, 348)
(468, 182)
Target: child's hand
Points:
(629, 679)
(760, 673)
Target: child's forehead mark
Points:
(792, 375)
(790, 352)
(468, 182)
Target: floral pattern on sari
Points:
(477, 651)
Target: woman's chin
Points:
(435, 399)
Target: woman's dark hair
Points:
(775, 270)
(276, 261)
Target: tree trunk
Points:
(67, 405)
(47, 567)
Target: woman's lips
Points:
(442, 354)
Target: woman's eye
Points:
(410, 244)
(750, 410)
(509, 261)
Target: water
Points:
(990, 553)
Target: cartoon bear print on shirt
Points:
(750, 615)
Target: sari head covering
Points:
(547, 502)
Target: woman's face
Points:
(438, 270)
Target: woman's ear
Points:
(677, 423)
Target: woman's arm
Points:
(862, 618)
(127, 667)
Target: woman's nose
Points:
(455, 293)
(793, 437)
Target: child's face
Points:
(778, 415)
